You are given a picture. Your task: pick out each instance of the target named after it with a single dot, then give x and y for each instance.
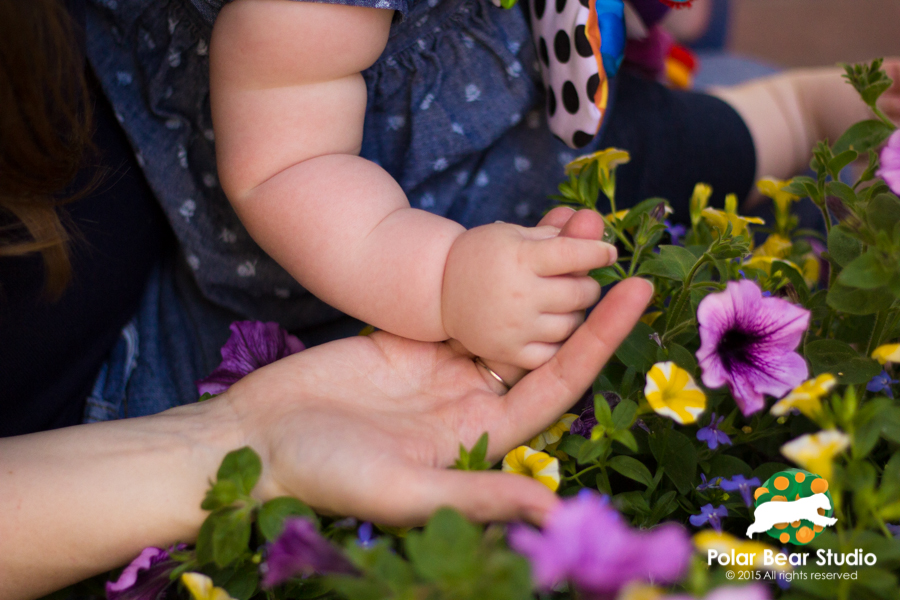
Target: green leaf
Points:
(241, 466)
(863, 136)
(623, 415)
(837, 164)
(889, 490)
(859, 302)
(606, 275)
(883, 212)
(446, 548)
(222, 493)
(230, 535)
(631, 468)
(665, 505)
(473, 460)
(638, 351)
(571, 444)
(842, 246)
(244, 582)
(270, 519)
(724, 465)
(841, 360)
(672, 262)
(766, 470)
(841, 190)
(602, 411)
(867, 272)
(506, 576)
(624, 437)
(677, 456)
(643, 207)
(206, 396)
(682, 357)
(890, 424)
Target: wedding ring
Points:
(493, 373)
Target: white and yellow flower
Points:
(538, 465)
(720, 219)
(671, 392)
(806, 397)
(550, 437)
(201, 587)
(887, 353)
(699, 201)
(815, 452)
(724, 543)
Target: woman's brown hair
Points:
(45, 131)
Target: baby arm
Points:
(288, 102)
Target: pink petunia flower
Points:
(747, 341)
(586, 542)
(890, 163)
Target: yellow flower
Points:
(806, 397)
(815, 452)
(616, 216)
(887, 353)
(202, 588)
(764, 263)
(637, 590)
(606, 160)
(551, 436)
(651, 317)
(720, 219)
(774, 189)
(672, 393)
(775, 245)
(699, 201)
(723, 543)
(811, 269)
(539, 465)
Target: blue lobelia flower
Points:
(710, 515)
(742, 484)
(711, 434)
(882, 383)
(712, 484)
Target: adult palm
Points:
(376, 445)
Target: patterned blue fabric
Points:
(454, 114)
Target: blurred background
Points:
(794, 33)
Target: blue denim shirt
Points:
(454, 115)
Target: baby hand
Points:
(513, 294)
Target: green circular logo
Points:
(788, 486)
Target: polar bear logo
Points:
(769, 514)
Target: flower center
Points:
(735, 347)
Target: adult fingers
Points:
(557, 217)
(548, 391)
(481, 496)
(567, 294)
(562, 255)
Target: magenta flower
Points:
(747, 341)
(146, 578)
(253, 344)
(890, 162)
(586, 542)
(301, 551)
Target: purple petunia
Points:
(741, 484)
(253, 344)
(748, 342)
(711, 434)
(586, 542)
(146, 578)
(890, 162)
(301, 551)
(710, 515)
(753, 591)
(584, 424)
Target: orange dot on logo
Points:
(759, 492)
(818, 528)
(781, 483)
(800, 477)
(821, 511)
(779, 499)
(780, 525)
(805, 535)
(795, 524)
(784, 537)
(819, 486)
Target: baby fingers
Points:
(568, 294)
(561, 255)
(556, 327)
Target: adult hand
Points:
(367, 426)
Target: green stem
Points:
(634, 260)
(883, 117)
(685, 292)
(583, 471)
(621, 237)
(877, 331)
(619, 269)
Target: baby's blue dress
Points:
(455, 114)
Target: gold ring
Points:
(493, 373)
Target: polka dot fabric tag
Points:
(567, 37)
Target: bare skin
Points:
(364, 426)
(344, 228)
